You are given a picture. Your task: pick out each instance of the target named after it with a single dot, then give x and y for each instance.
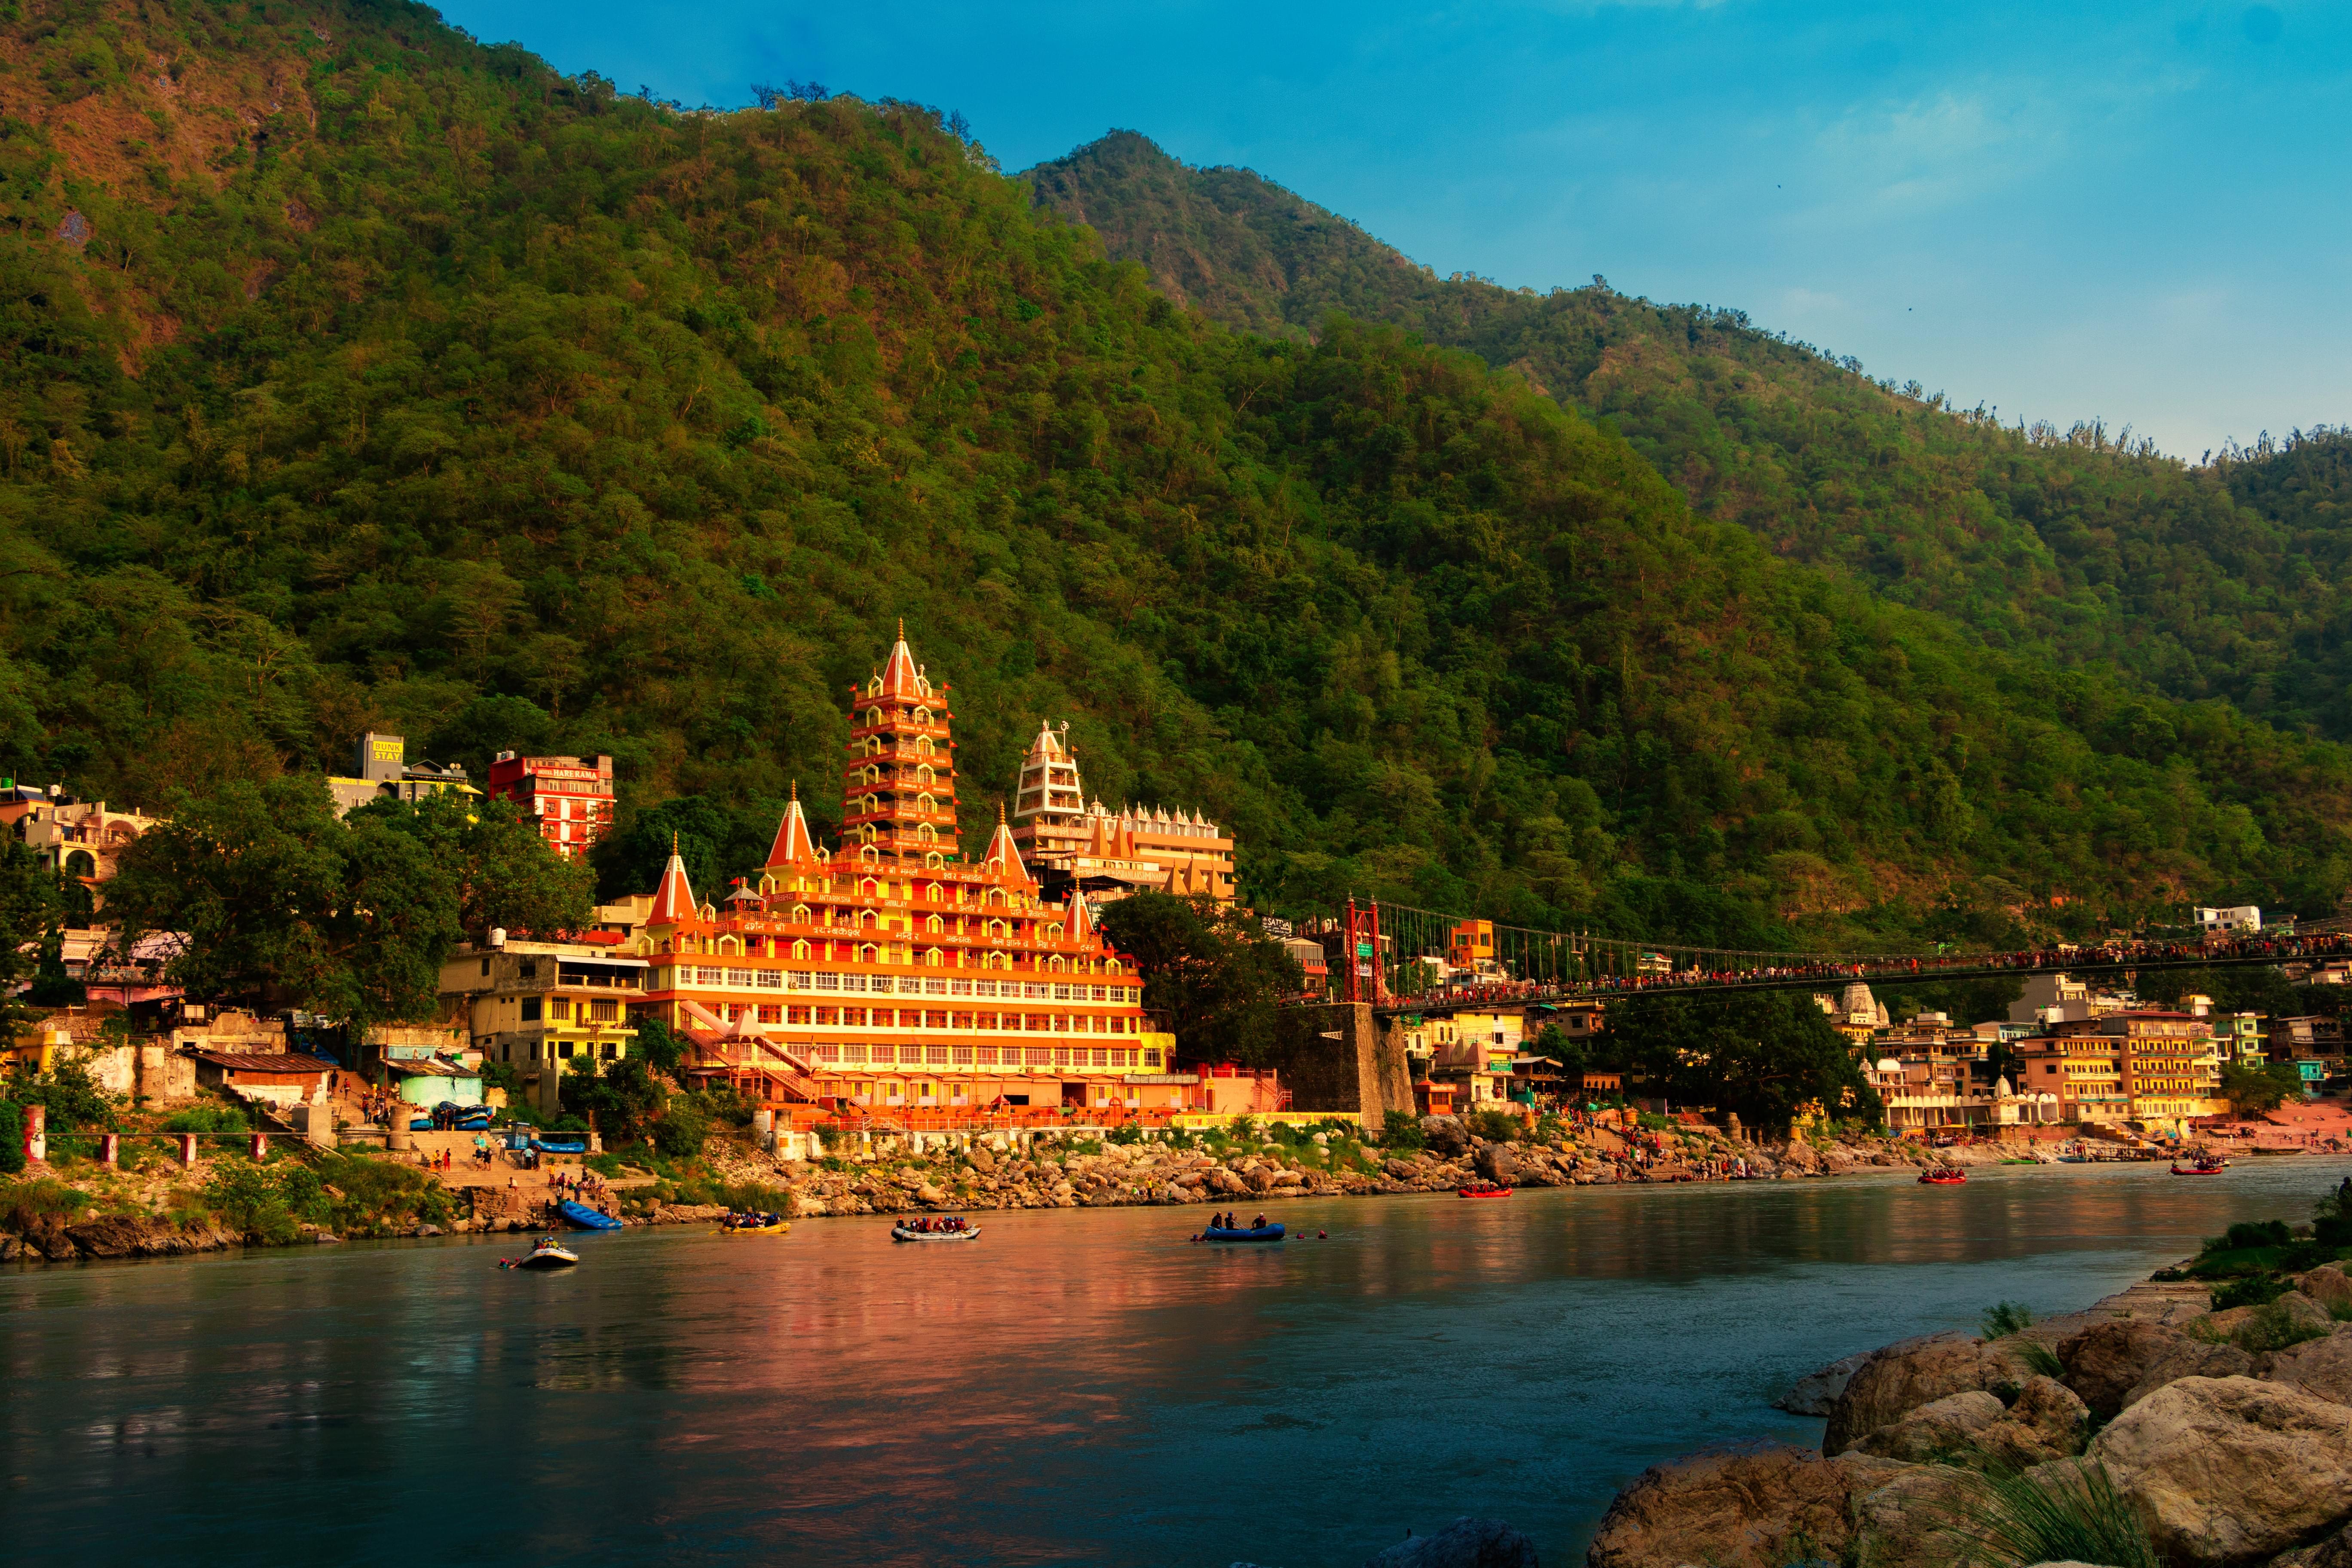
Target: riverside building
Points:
(891, 971)
(1110, 854)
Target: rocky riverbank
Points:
(2159, 1431)
(1053, 1170)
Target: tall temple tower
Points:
(1080, 849)
(898, 791)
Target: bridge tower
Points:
(1363, 980)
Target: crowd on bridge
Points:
(1773, 970)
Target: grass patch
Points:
(2004, 1319)
(2011, 1520)
(2041, 1358)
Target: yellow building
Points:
(547, 1008)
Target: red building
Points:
(573, 799)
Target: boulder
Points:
(1816, 1391)
(1753, 1509)
(1909, 1522)
(1464, 1543)
(2231, 1471)
(2328, 1285)
(1399, 1170)
(1224, 1181)
(2303, 1312)
(2335, 1552)
(928, 1194)
(2323, 1367)
(2046, 1422)
(2191, 1358)
(119, 1236)
(1496, 1163)
(1446, 1134)
(983, 1159)
(2105, 1361)
(1897, 1380)
(1938, 1431)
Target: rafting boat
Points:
(548, 1254)
(761, 1224)
(1943, 1176)
(1482, 1190)
(1235, 1233)
(901, 1232)
(585, 1217)
(2201, 1168)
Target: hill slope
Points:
(357, 375)
(2076, 545)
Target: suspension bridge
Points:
(1402, 959)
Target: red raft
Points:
(1943, 1176)
(1482, 1190)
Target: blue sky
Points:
(2139, 214)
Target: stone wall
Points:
(1338, 1057)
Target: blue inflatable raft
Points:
(1263, 1233)
(585, 1217)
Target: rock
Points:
(1802, 1159)
(1936, 1431)
(1754, 1510)
(2335, 1552)
(2231, 1470)
(928, 1194)
(426, 1230)
(1289, 1179)
(2328, 1285)
(2105, 1361)
(1399, 1170)
(982, 1160)
(115, 1235)
(1464, 1543)
(47, 1236)
(2303, 1312)
(1496, 1163)
(2047, 1421)
(2323, 1367)
(2191, 1358)
(10, 1249)
(1224, 1181)
(1813, 1394)
(327, 1239)
(1444, 1134)
(1909, 1522)
(1893, 1381)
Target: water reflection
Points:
(1077, 1387)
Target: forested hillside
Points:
(2078, 545)
(354, 375)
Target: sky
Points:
(2140, 214)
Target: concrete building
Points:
(547, 1008)
(385, 773)
(570, 799)
(80, 840)
(1073, 847)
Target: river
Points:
(1075, 1387)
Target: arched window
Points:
(799, 949)
(799, 914)
(1112, 967)
(922, 715)
(869, 954)
(871, 888)
(933, 957)
(996, 960)
(935, 861)
(935, 926)
(874, 715)
(923, 746)
(925, 802)
(81, 863)
(923, 775)
(995, 895)
(1054, 931)
(925, 833)
(931, 892)
(1054, 963)
(869, 856)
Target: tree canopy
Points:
(1210, 971)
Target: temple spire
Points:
(794, 845)
(673, 900)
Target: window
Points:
(771, 1015)
(962, 1055)
(530, 1009)
(739, 977)
(558, 1008)
(829, 1053)
(612, 1050)
(986, 1054)
(1041, 1056)
(937, 1055)
(769, 979)
(708, 977)
(604, 1010)
(1061, 1055)
(564, 1050)
(852, 1053)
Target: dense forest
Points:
(353, 374)
(2226, 580)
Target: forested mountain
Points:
(355, 375)
(2078, 545)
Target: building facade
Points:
(568, 797)
(893, 971)
(547, 1008)
(386, 773)
(1074, 847)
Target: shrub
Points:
(1498, 1126)
(11, 1137)
(25, 1201)
(2253, 1233)
(2250, 1290)
(2270, 1329)
(678, 1133)
(1243, 1131)
(2004, 1319)
(2041, 1359)
(1401, 1130)
(1126, 1132)
(209, 1119)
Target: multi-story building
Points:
(2084, 1072)
(570, 799)
(1078, 847)
(549, 1008)
(386, 773)
(2155, 1068)
(893, 971)
(2306, 1038)
(79, 840)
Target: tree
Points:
(32, 905)
(1552, 1043)
(2252, 1090)
(1210, 969)
(1765, 1056)
(503, 873)
(268, 898)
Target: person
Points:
(1259, 1223)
